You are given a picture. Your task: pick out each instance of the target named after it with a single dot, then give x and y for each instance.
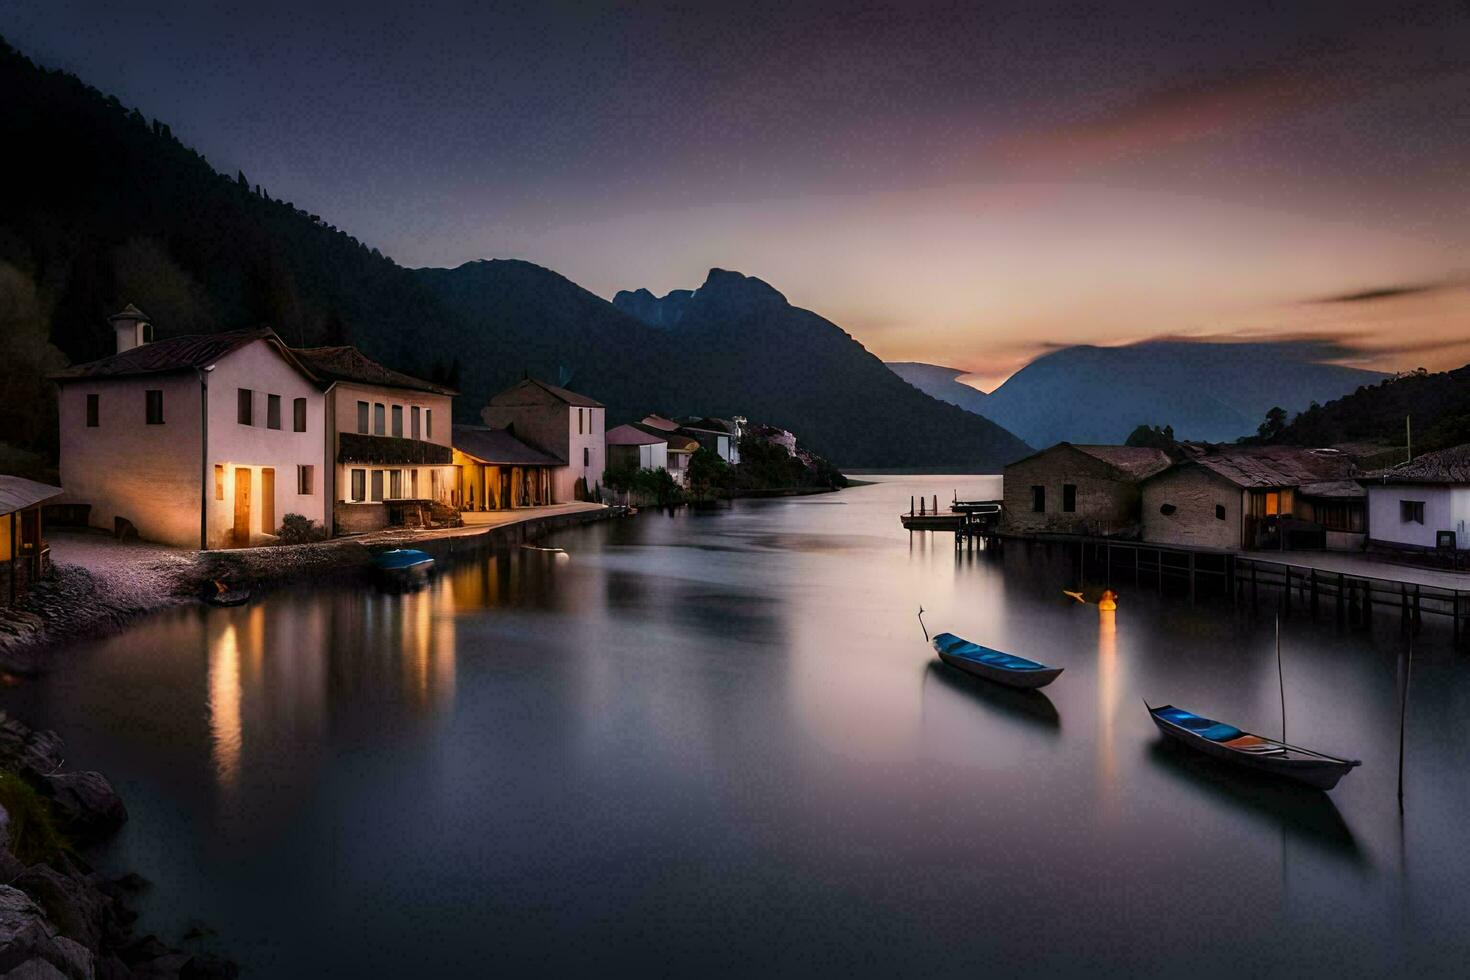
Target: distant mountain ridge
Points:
(1206, 391)
(941, 383)
(104, 207)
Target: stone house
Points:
(1076, 489)
(560, 423)
(1255, 497)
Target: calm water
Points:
(716, 743)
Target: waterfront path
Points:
(1366, 566)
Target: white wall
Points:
(590, 445)
(1445, 509)
(261, 368)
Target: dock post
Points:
(936, 503)
(911, 505)
(1314, 593)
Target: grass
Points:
(34, 837)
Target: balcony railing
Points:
(356, 447)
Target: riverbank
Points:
(100, 586)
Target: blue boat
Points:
(993, 665)
(1227, 743)
(402, 567)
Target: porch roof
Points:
(498, 446)
(18, 493)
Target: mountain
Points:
(101, 206)
(1206, 391)
(941, 383)
(1437, 404)
(735, 347)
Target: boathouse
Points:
(1256, 497)
(1421, 505)
(1079, 489)
(561, 424)
(24, 556)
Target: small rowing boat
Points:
(403, 567)
(1229, 744)
(993, 665)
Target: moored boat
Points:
(1229, 744)
(993, 665)
(403, 567)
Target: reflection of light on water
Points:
(1107, 701)
(427, 644)
(224, 706)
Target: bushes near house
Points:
(297, 529)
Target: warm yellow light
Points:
(1108, 602)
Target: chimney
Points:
(132, 328)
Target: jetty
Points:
(968, 520)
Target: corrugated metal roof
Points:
(350, 364)
(1445, 466)
(174, 354)
(498, 446)
(18, 493)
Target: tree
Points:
(708, 472)
(1274, 424)
(1152, 437)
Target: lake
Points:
(715, 742)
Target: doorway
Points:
(241, 534)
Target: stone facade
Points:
(1192, 507)
(1079, 494)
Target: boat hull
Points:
(1319, 772)
(1025, 680)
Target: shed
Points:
(1079, 489)
(24, 555)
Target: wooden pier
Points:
(968, 520)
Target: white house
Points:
(560, 423)
(635, 448)
(389, 441)
(199, 442)
(1423, 504)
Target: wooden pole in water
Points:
(1404, 714)
(1280, 677)
(921, 624)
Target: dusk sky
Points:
(966, 184)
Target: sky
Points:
(969, 184)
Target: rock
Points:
(77, 909)
(86, 803)
(207, 966)
(22, 748)
(30, 946)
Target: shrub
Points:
(296, 529)
(34, 838)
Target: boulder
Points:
(30, 945)
(86, 803)
(77, 909)
(21, 748)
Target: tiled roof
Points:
(1139, 462)
(351, 364)
(499, 446)
(1332, 489)
(630, 435)
(660, 423)
(1262, 467)
(174, 354)
(18, 493)
(1445, 466)
(509, 395)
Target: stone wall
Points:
(1105, 504)
(358, 518)
(1192, 494)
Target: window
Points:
(272, 411)
(245, 410)
(1411, 511)
(1038, 500)
(1069, 497)
(398, 421)
(1219, 512)
(428, 423)
(359, 484)
(378, 419)
(579, 421)
(305, 480)
(377, 486)
(414, 479)
(414, 422)
(362, 417)
(298, 415)
(268, 499)
(92, 412)
(219, 482)
(586, 456)
(395, 484)
(153, 406)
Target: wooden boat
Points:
(993, 665)
(1229, 744)
(403, 567)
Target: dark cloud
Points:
(1383, 292)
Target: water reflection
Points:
(1109, 688)
(1032, 707)
(224, 705)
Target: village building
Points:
(388, 442)
(1076, 489)
(24, 555)
(496, 471)
(681, 450)
(632, 447)
(719, 436)
(199, 442)
(562, 424)
(1255, 497)
(1421, 505)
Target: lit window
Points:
(377, 486)
(359, 484)
(219, 482)
(395, 484)
(153, 406)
